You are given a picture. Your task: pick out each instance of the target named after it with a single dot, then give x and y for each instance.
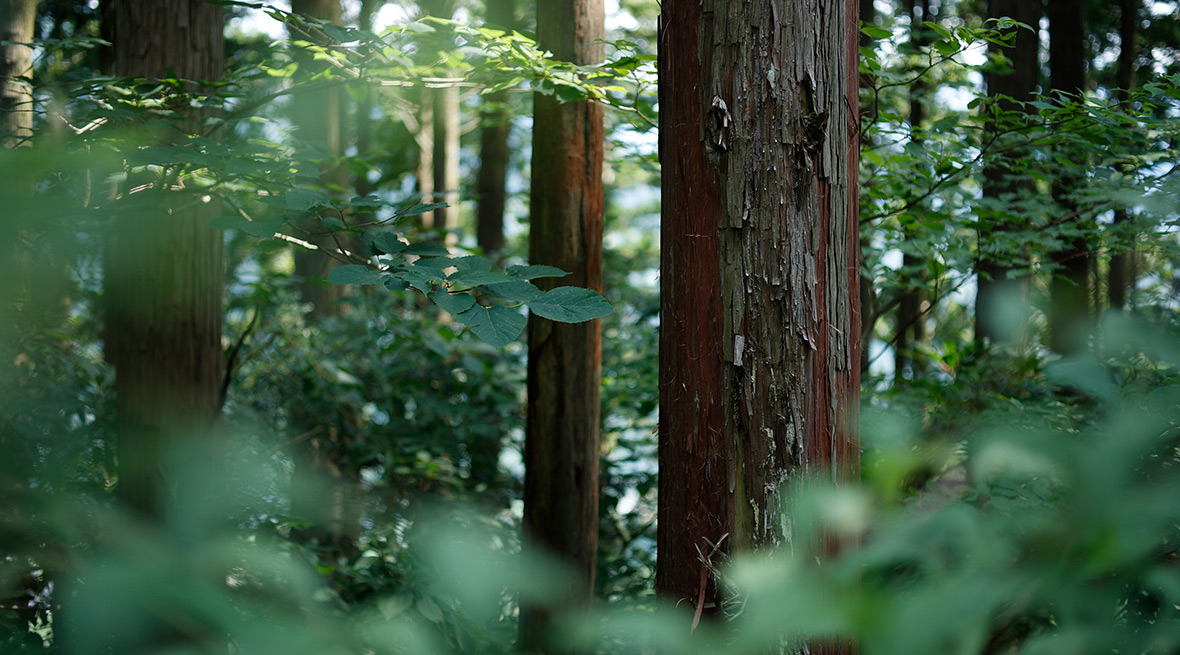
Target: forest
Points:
(589, 326)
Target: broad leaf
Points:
(354, 274)
(515, 291)
(534, 272)
(304, 199)
(570, 305)
(427, 249)
(478, 278)
(498, 325)
(452, 303)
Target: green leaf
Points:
(515, 291)
(478, 278)
(875, 33)
(389, 244)
(498, 325)
(472, 263)
(946, 48)
(452, 303)
(570, 305)
(354, 274)
(426, 249)
(304, 199)
(416, 210)
(534, 272)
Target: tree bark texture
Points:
(316, 115)
(1069, 306)
(565, 360)
(996, 286)
(1120, 279)
(759, 321)
(163, 281)
(16, 61)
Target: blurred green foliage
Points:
(362, 493)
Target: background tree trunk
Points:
(759, 362)
(996, 287)
(316, 115)
(493, 147)
(163, 281)
(565, 360)
(444, 124)
(1069, 306)
(911, 326)
(16, 61)
(1120, 279)
(868, 294)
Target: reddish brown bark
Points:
(164, 273)
(759, 359)
(565, 360)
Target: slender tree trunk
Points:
(868, 295)
(446, 157)
(759, 374)
(1121, 280)
(565, 360)
(164, 277)
(999, 282)
(494, 153)
(444, 125)
(16, 61)
(1069, 298)
(910, 323)
(316, 115)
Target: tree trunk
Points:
(759, 362)
(444, 124)
(1069, 298)
(316, 115)
(163, 281)
(997, 288)
(16, 61)
(1120, 279)
(494, 153)
(868, 295)
(565, 360)
(910, 322)
(446, 157)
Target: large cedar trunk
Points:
(999, 278)
(1069, 307)
(759, 362)
(565, 360)
(163, 280)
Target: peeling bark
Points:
(759, 359)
